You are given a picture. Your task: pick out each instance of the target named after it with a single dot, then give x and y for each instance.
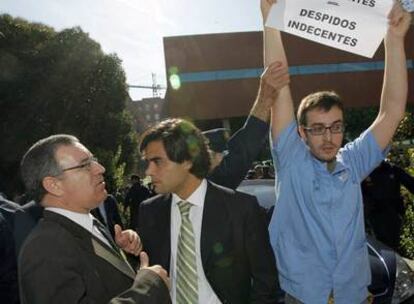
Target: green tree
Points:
(402, 154)
(60, 82)
(357, 120)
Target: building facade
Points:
(218, 74)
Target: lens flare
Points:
(174, 78)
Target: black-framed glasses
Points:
(320, 129)
(84, 165)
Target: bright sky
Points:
(133, 29)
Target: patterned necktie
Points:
(107, 235)
(187, 284)
(105, 232)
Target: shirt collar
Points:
(83, 219)
(196, 198)
(339, 166)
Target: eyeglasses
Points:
(320, 129)
(85, 165)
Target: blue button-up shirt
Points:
(317, 228)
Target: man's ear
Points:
(52, 185)
(188, 164)
(302, 133)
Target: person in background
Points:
(383, 203)
(136, 194)
(217, 142)
(9, 290)
(244, 146)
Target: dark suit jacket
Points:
(9, 292)
(24, 221)
(236, 255)
(243, 148)
(61, 262)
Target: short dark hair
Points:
(40, 161)
(182, 142)
(324, 100)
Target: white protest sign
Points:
(356, 26)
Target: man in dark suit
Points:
(244, 146)
(25, 220)
(136, 194)
(9, 291)
(69, 257)
(213, 240)
(383, 203)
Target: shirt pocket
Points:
(348, 195)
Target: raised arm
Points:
(267, 94)
(244, 146)
(395, 85)
(282, 111)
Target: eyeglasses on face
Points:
(320, 129)
(84, 165)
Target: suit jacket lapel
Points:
(108, 255)
(165, 233)
(91, 243)
(215, 226)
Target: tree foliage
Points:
(357, 120)
(402, 153)
(60, 82)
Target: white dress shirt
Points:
(85, 220)
(206, 294)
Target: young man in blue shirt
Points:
(317, 229)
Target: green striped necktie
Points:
(187, 284)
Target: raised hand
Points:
(265, 6)
(274, 77)
(128, 240)
(144, 264)
(399, 21)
